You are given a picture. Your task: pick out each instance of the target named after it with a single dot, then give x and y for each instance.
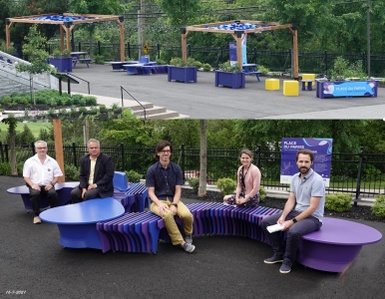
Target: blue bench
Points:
(86, 60)
(251, 69)
(118, 65)
(63, 190)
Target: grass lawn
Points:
(33, 126)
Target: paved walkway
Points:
(202, 100)
(32, 261)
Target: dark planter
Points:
(346, 89)
(182, 74)
(62, 64)
(233, 80)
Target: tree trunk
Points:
(203, 159)
(12, 147)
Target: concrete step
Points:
(152, 112)
(165, 115)
(149, 111)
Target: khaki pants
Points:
(172, 228)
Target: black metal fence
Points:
(361, 174)
(309, 62)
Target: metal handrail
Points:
(77, 77)
(121, 93)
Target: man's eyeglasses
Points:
(39, 148)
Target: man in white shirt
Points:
(41, 172)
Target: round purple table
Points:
(77, 222)
(335, 245)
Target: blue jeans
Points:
(293, 234)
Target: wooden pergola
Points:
(67, 22)
(240, 33)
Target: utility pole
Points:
(368, 33)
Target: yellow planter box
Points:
(290, 88)
(272, 84)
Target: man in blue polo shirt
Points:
(164, 180)
(302, 214)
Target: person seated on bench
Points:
(249, 181)
(41, 172)
(302, 214)
(164, 180)
(96, 175)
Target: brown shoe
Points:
(36, 220)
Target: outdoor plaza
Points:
(202, 100)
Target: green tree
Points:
(25, 136)
(12, 124)
(179, 12)
(104, 7)
(37, 56)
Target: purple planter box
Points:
(62, 64)
(346, 89)
(182, 74)
(233, 80)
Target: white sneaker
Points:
(36, 220)
(188, 247)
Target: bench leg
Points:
(310, 86)
(303, 85)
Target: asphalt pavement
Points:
(34, 265)
(202, 100)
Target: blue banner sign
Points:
(322, 148)
(347, 89)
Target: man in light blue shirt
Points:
(302, 214)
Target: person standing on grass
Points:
(248, 183)
(302, 214)
(96, 175)
(164, 180)
(41, 172)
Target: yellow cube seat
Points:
(290, 88)
(272, 84)
(309, 77)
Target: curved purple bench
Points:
(336, 244)
(77, 222)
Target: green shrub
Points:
(133, 176)
(90, 100)
(262, 194)
(226, 185)
(206, 67)
(194, 183)
(71, 172)
(20, 166)
(338, 202)
(177, 61)
(82, 110)
(378, 208)
(263, 69)
(230, 67)
(5, 168)
(98, 59)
